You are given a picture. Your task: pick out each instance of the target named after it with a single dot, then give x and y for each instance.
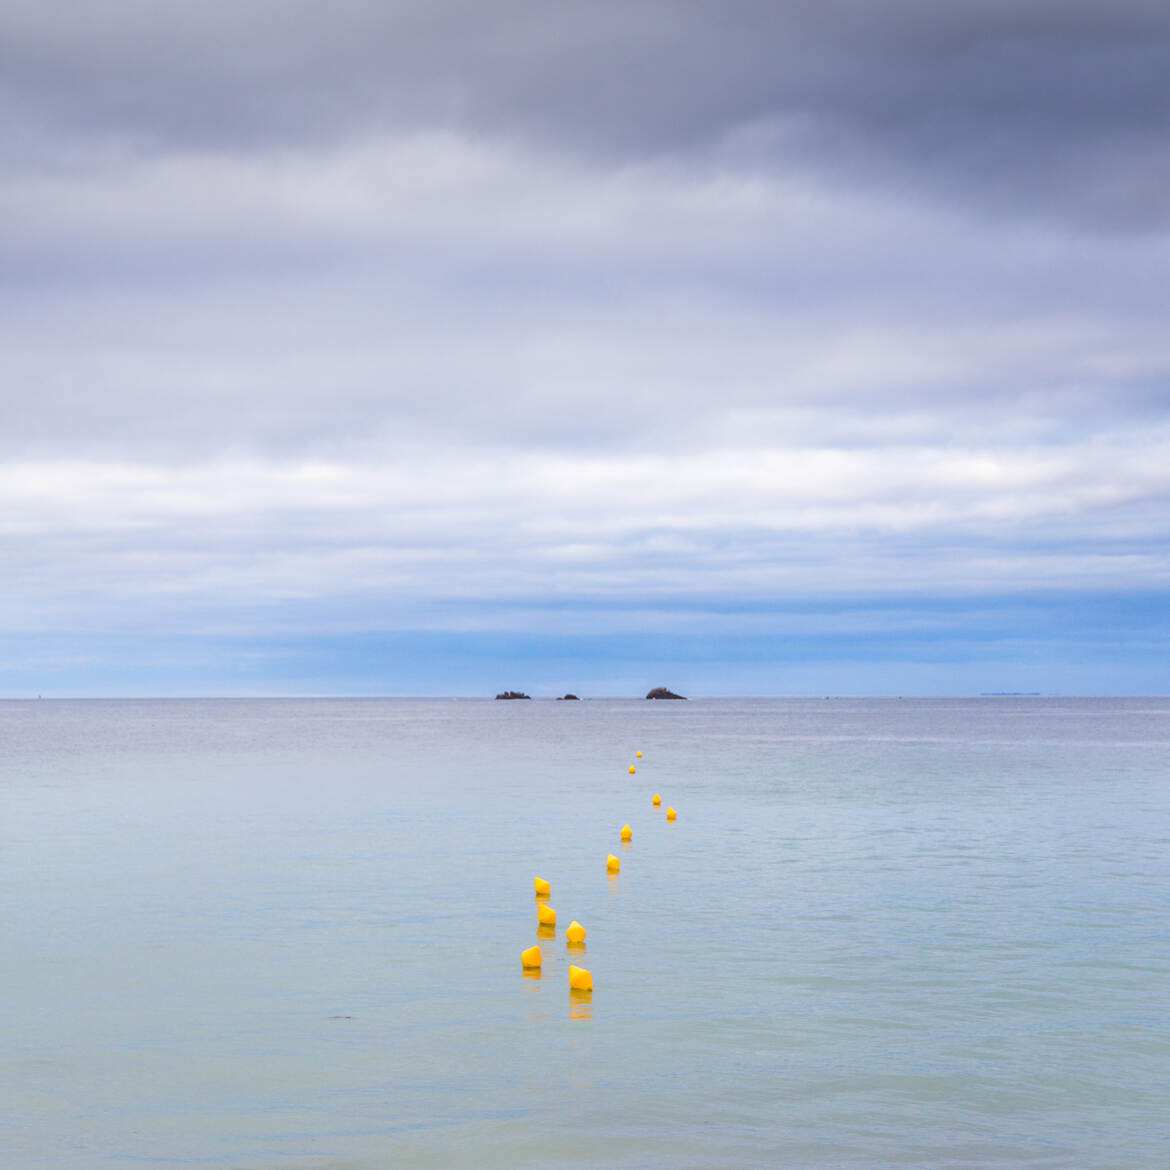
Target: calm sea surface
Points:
(881, 933)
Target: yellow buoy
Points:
(580, 979)
(627, 832)
(613, 864)
(531, 957)
(671, 814)
(656, 800)
(575, 933)
(546, 915)
(543, 889)
(632, 769)
(638, 754)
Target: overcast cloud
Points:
(672, 319)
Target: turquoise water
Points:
(881, 933)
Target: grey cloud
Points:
(444, 290)
(385, 304)
(1052, 107)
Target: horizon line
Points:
(320, 696)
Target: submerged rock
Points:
(663, 693)
(513, 695)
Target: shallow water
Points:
(881, 933)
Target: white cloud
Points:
(125, 543)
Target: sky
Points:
(449, 346)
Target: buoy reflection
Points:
(575, 948)
(580, 1005)
(546, 931)
(533, 972)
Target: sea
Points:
(267, 934)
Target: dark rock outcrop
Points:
(663, 693)
(562, 698)
(513, 695)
